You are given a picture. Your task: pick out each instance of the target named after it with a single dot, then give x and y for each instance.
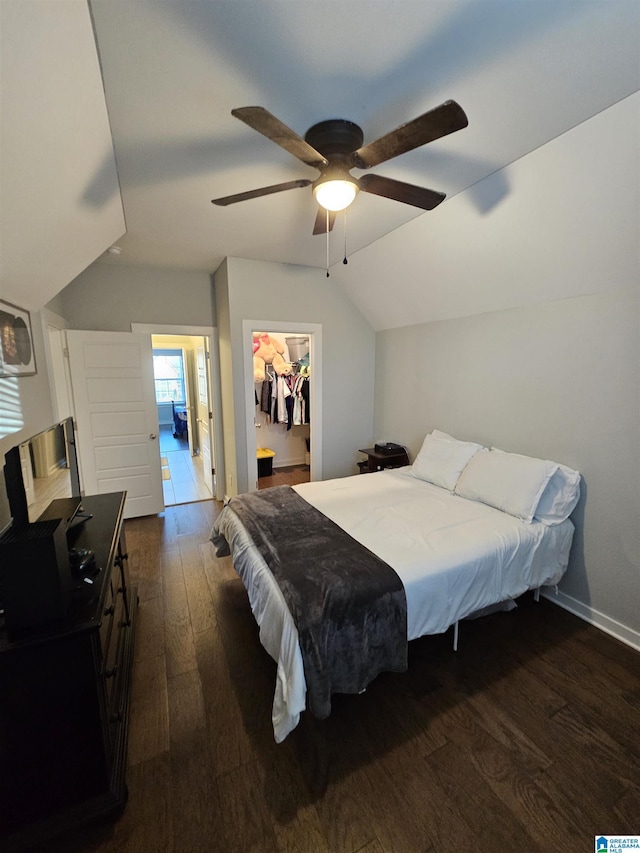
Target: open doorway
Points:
(184, 439)
(188, 411)
(282, 410)
(310, 335)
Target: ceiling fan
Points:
(334, 147)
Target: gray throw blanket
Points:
(349, 606)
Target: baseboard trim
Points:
(289, 463)
(594, 617)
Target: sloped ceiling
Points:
(570, 227)
(55, 139)
(524, 72)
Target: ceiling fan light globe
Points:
(336, 194)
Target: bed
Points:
(464, 529)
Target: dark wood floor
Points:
(288, 476)
(526, 739)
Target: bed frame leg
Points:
(536, 594)
(455, 637)
(314, 752)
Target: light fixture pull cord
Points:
(345, 261)
(327, 228)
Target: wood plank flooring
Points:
(289, 475)
(526, 739)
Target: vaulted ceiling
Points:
(524, 72)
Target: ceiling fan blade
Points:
(268, 125)
(399, 191)
(445, 119)
(320, 226)
(274, 188)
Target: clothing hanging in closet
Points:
(285, 399)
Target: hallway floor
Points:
(182, 476)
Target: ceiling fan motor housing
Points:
(335, 136)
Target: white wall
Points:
(61, 205)
(109, 297)
(558, 380)
(561, 222)
(227, 388)
(256, 290)
(558, 374)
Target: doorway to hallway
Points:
(183, 404)
(194, 458)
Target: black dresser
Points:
(64, 694)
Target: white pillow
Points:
(560, 497)
(506, 481)
(436, 433)
(441, 461)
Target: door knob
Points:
(152, 435)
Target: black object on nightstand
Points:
(377, 461)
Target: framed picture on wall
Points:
(17, 357)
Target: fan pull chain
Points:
(327, 226)
(345, 261)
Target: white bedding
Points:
(454, 556)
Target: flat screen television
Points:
(41, 470)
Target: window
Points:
(168, 371)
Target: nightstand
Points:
(379, 461)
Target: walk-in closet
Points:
(282, 378)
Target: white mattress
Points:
(454, 557)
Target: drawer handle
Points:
(110, 673)
(117, 717)
(109, 610)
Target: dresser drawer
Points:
(106, 626)
(111, 659)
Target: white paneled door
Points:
(205, 416)
(117, 417)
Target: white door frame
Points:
(56, 356)
(57, 361)
(314, 331)
(187, 365)
(202, 332)
(203, 401)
